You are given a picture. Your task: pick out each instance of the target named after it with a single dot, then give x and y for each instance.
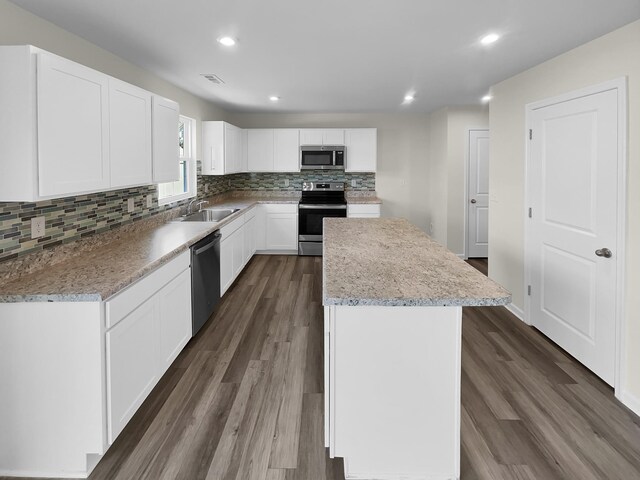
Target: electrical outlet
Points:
(130, 205)
(37, 227)
(149, 201)
(206, 188)
(229, 183)
(286, 182)
(354, 183)
(431, 227)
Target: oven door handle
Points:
(318, 207)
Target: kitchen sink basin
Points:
(208, 215)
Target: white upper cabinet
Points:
(362, 149)
(286, 150)
(166, 153)
(73, 128)
(222, 148)
(66, 129)
(260, 150)
(130, 135)
(327, 136)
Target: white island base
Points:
(392, 390)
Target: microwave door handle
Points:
(333, 161)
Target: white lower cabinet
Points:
(249, 236)
(281, 227)
(364, 210)
(232, 248)
(146, 339)
(133, 358)
(266, 228)
(174, 312)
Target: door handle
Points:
(604, 252)
(473, 200)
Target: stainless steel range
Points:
(319, 200)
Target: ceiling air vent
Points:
(213, 78)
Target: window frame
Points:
(191, 174)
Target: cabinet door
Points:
(260, 150)
(129, 135)
(213, 148)
(249, 239)
(73, 127)
(226, 263)
(286, 150)
(166, 156)
(362, 149)
(333, 136)
(132, 364)
(310, 136)
(282, 231)
(233, 153)
(174, 309)
(238, 252)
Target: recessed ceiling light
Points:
(489, 39)
(487, 98)
(409, 98)
(273, 98)
(227, 41)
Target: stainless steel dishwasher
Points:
(205, 279)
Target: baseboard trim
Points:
(368, 476)
(42, 474)
(517, 311)
(630, 401)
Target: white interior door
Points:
(478, 195)
(572, 180)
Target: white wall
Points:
(614, 55)
(438, 175)
(19, 27)
(401, 179)
(460, 120)
(449, 144)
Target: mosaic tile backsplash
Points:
(72, 218)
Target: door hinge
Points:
(530, 213)
(530, 134)
(529, 290)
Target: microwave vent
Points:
(212, 77)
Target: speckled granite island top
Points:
(107, 268)
(390, 262)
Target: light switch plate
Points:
(354, 183)
(130, 205)
(149, 201)
(37, 227)
(206, 188)
(286, 182)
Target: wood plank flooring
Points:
(245, 398)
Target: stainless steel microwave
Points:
(322, 157)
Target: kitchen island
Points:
(393, 302)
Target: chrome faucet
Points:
(198, 205)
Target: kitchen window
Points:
(185, 186)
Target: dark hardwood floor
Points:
(244, 400)
(481, 264)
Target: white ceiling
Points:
(337, 55)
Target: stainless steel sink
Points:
(208, 215)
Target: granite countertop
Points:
(111, 266)
(390, 262)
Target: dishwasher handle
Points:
(212, 243)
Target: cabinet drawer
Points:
(123, 303)
(363, 210)
(280, 207)
(232, 226)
